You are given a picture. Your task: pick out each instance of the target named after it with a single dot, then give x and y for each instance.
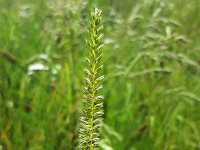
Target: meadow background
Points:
(151, 63)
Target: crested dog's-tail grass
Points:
(92, 105)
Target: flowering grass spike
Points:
(92, 105)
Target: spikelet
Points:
(92, 103)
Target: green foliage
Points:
(152, 84)
(92, 105)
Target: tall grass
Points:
(151, 64)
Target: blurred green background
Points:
(151, 63)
